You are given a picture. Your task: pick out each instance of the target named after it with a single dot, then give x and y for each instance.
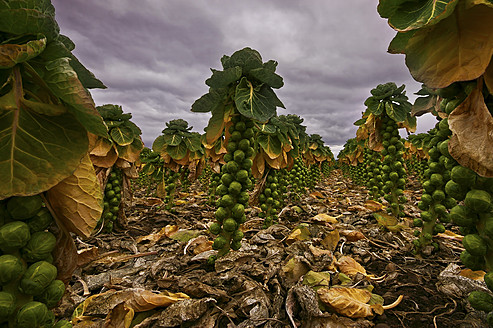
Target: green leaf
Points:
(210, 101)
(177, 152)
(411, 15)
(172, 139)
(37, 151)
(360, 122)
(395, 112)
(193, 143)
(268, 77)
(29, 17)
(159, 145)
(399, 42)
(63, 81)
(268, 128)
(122, 135)
(271, 145)
(458, 48)
(245, 58)
(376, 107)
(12, 54)
(222, 79)
(257, 103)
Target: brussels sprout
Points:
(463, 176)
(475, 245)
(229, 225)
(219, 242)
(235, 188)
(7, 305)
(478, 200)
(11, 268)
(39, 246)
(52, 294)
(32, 315)
(481, 301)
(22, 208)
(13, 236)
(40, 221)
(37, 277)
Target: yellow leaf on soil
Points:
(351, 302)
(373, 205)
(331, 240)
(134, 300)
(322, 217)
(349, 266)
(475, 275)
(300, 233)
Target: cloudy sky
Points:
(154, 56)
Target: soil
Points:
(124, 275)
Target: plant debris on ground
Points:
(154, 273)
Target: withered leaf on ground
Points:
(351, 302)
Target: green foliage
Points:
(45, 86)
(244, 85)
(392, 100)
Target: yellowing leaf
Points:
(136, 299)
(316, 280)
(322, 217)
(349, 266)
(472, 127)
(373, 205)
(475, 275)
(331, 240)
(351, 302)
(77, 200)
(458, 48)
(300, 233)
(295, 269)
(388, 221)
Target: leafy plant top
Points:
(42, 84)
(245, 84)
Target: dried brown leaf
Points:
(349, 266)
(351, 302)
(472, 127)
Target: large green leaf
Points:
(268, 128)
(193, 143)
(458, 48)
(268, 77)
(258, 103)
(411, 15)
(399, 42)
(172, 139)
(245, 58)
(159, 145)
(177, 152)
(37, 151)
(396, 112)
(12, 54)
(210, 101)
(375, 106)
(222, 79)
(271, 145)
(63, 81)
(28, 17)
(62, 47)
(122, 135)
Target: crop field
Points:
(254, 222)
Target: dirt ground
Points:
(154, 273)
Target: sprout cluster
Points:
(233, 187)
(298, 177)
(394, 173)
(435, 201)
(112, 200)
(270, 198)
(29, 287)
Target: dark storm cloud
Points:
(155, 56)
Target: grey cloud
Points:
(155, 56)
